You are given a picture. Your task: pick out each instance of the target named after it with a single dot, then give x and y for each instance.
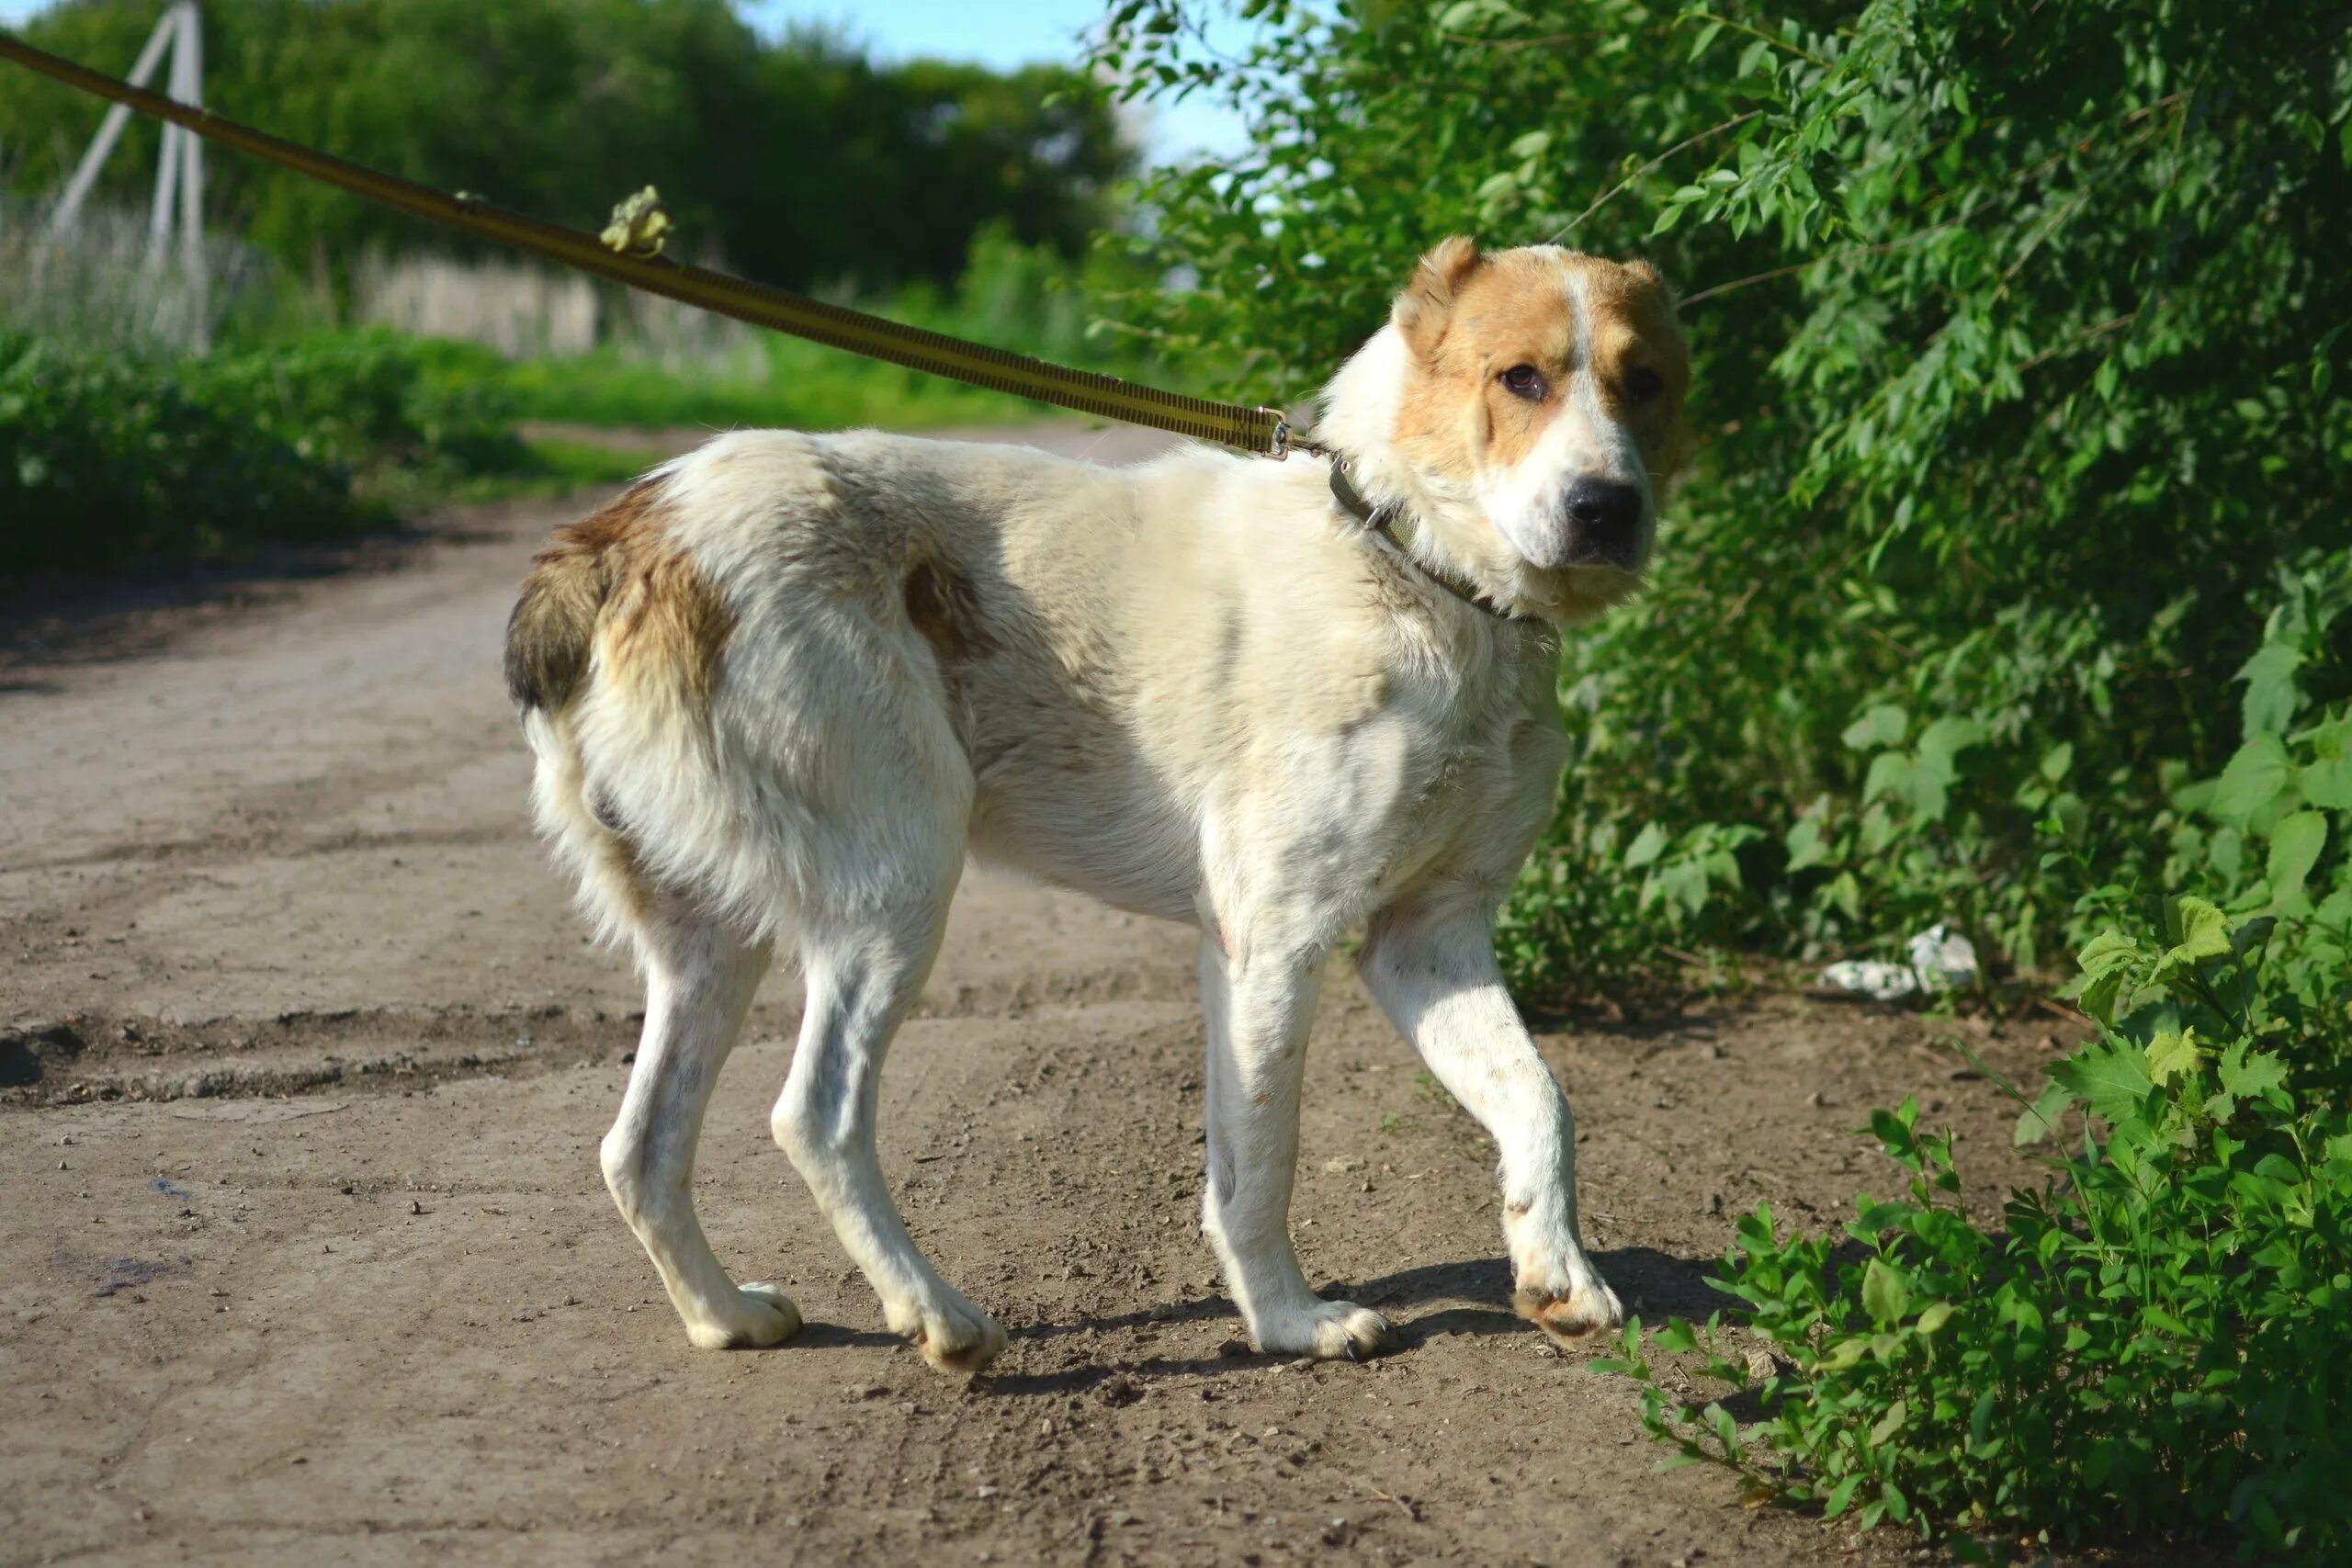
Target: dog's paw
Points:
(1570, 1314)
(952, 1335)
(1329, 1331)
(759, 1316)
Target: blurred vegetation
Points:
(131, 450)
(1011, 295)
(942, 194)
(106, 458)
(796, 160)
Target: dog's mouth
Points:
(1585, 589)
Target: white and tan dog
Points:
(781, 689)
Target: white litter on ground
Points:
(1941, 959)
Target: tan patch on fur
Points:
(616, 583)
(1565, 1317)
(1484, 314)
(1427, 304)
(624, 870)
(1633, 325)
(946, 609)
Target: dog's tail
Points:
(613, 599)
(553, 625)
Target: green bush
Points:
(2157, 1336)
(105, 459)
(2016, 330)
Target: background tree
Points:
(2017, 328)
(798, 159)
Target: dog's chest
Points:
(1451, 774)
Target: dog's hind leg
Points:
(863, 973)
(699, 982)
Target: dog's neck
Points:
(1426, 520)
(1383, 526)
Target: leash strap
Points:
(1258, 430)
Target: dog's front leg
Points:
(1433, 972)
(1259, 1010)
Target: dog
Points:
(782, 689)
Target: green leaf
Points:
(2271, 697)
(2172, 1054)
(2295, 846)
(2109, 1075)
(2041, 1121)
(1935, 1316)
(1891, 1423)
(1727, 1429)
(1891, 773)
(1881, 726)
(2253, 779)
(1648, 845)
(2204, 933)
(1946, 739)
(2251, 1074)
(1885, 1295)
(2106, 963)
(2327, 784)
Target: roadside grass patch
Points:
(106, 458)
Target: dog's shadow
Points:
(1468, 1297)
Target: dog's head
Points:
(1526, 406)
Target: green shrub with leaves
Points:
(2156, 1338)
(2017, 331)
(104, 458)
(2158, 1335)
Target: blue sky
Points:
(1000, 33)
(995, 32)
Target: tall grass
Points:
(104, 286)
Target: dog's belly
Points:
(1101, 834)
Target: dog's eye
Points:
(1524, 381)
(1643, 383)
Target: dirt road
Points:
(304, 1256)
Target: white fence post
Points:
(85, 174)
(179, 174)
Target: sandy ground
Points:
(304, 1256)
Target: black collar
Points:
(1377, 521)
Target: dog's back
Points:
(783, 639)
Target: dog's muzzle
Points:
(1604, 521)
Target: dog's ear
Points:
(1655, 280)
(1422, 310)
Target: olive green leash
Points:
(629, 253)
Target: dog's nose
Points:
(1604, 524)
